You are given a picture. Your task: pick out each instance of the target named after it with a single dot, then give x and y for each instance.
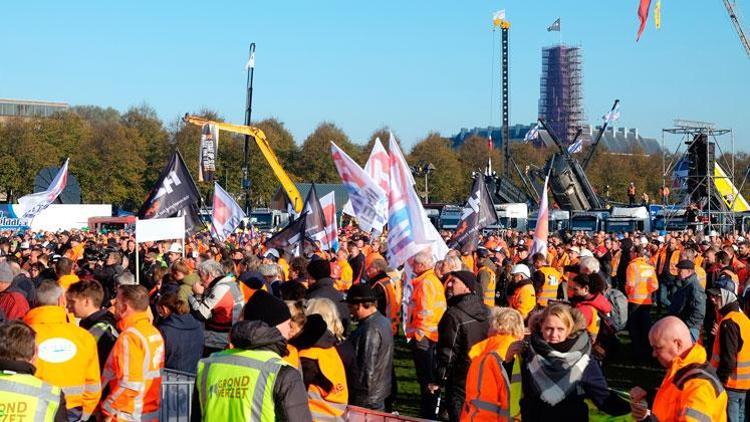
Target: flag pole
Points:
(137, 254)
(248, 112)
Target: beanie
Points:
(467, 277)
(319, 268)
(264, 307)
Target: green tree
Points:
(315, 163)
(152, 141)
(443, 183)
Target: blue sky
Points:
(416, 66)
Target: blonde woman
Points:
(328, 310)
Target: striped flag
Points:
(226, 215)
(367, 198)
(542, 224)
(575, 147)
(328, 203)
(533, 133)
(613, 115)
(377, 168)
(35, 203)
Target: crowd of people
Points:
(92, 320)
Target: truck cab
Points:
(558, 220)
(267, 219)
(589, 221)
(450, 216)
(628, 220)
(512, 216)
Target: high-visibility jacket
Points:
(640, 281)
(370, 257)
(284, 268)
(701, 274)
(740, 377)
(487, 278)
(326, 405)
(395, 276)
(67, 356)
(523, 298)
(66, 280)
(229, 385)
(293, 357)
(691, 391)
(560, 262)
(548, 290)
(615, 263)
(673, 260)
(392, 304)
(133, 371)
(492, 395)
(347, 276)
(426, 307)
(24, 397)
(468, 261)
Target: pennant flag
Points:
(315, 225)
(35, 203)
(367, 198)
(251, 61)
(290, 236)
(613, 114)
(575, 147)
(226, 214)
(657, 14)
(555, 26)
(174, 194)
(328, 203)
(498, 17)
(409, 229)
(533, 133)
(542, 224)
(209, 152)
(643, 16)
(478, 213)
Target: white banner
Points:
(155, 229)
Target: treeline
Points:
(117, 157)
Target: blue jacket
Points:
(689, 302)
(183, 342)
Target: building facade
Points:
(561, 90)
(28, 108)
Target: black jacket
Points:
(730, 343)
(183, 342)
(103, 326)
(289, 392)
(20, 367)
(323, 288)
(689, 302)
(380, 292)
(462, 325)
(373, 345)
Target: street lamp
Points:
(248, 111)
(423, 168)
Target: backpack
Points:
(607, 344)
(619, 313)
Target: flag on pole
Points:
(251, 61)
(35, 203)
(576, 146)
(377, 168)
(367, 198)
(542, 224)
(498, 17)
(555, 26)
(643, 16)
(614, 114)
(315, 225)
(328, 203)
(226, 215)
(209, 152)
(290, 236)
(657, 14)
(490, 145)
(533, 133)
(478, 213)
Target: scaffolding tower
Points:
(693, 171)
(561, 90)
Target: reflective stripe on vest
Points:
(41, 401)
(100, 328)
(739, 379)
(696, 414)
(391, 305)
(318, 405)
(333, 404)
(478, 405)
(247, 374)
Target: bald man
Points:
(691, 391)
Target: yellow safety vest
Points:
(24, 397)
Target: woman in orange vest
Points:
(488, 386)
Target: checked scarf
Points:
(556, 373)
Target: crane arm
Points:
(737, 27)
(265, 149)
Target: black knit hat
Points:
(264, 307)
(319, 268)
(467, 277)
(252, 279)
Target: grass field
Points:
(621, 375)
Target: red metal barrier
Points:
(360, 414)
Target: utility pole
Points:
(248, 112)
(505, 25)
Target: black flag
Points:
(174, 194)
(315, 225)
(478, 213)
(290, 236)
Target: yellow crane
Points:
(265, 148)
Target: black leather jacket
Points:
(373, 346)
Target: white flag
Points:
(612, 115)
(226, 214)
(533, 133)
(251, 61)
(377, 168)
(35, 203)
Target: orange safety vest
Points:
(640, 281)
(426, 307)
(615, 263)
(372, 256)
(392, 305)
(523, 299)
(293, 357)
(488, 290)
(690, 391)
(487, 389)
(325, 405)
(66, 357)
(344, 282)
(673, 260)
(701, 274)
(284, 268)
(133, 371)
(548, 291)
(468, 261)
(740, 377)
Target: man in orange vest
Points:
(666, 270)
(546, 280)
(640, 284)
(731, 350)
(132, 372)
(486, 276)
(426, 307)
(67, 355)
(385, 291)
(691, 390)
(521, 295)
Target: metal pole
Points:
(248, 113)
(426, 192)
(506, 127)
